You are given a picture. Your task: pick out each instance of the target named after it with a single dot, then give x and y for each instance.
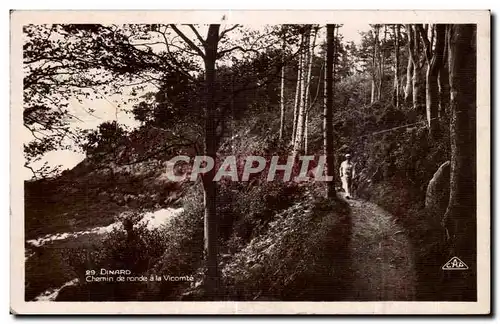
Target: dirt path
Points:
(382, 260)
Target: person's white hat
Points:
(348, 155)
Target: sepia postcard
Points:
(250, 162)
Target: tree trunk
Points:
(444, 83)
(379, 64)
(306, 133)
(335, 54)
(297, 94)
(373, 91)
(309, 71)
(421, 77)
(433, 31)
(409, 77)
(432, 81)
(299, 137)
(328, 112)
(210, 187)
(382, 64)
(323, 116)
(325, 94)
(434, 62)
(418, 82)
(307, 94)
(460, 217)
(282, 95)
(307, 102)
(418, 90)
(373, 94)
(375, 61)
(396, 66)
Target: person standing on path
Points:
(346, 175)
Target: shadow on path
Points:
(382, 267)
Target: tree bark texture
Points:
(212, 281)
(328, 111)
(460, 217)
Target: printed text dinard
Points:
(308, 168)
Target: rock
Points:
(438, 191)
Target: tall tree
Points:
(460, 217)
(381, 64)
(335, 56)
(309, 69)
(418, 82)
(214, 113)
(213, 130)
(210, 186)
(409, 70)
(328, 111)
(301, 118)
(435, 62)
(396, 65)
(375, 60)
(308, 99)
(444, 82)
(282, 91)
(209, 55)
(298, 90)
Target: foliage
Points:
(247, 209)
(67, 62)
(64, 62)
(131, 247)
(107, 137)
(302, 256)
(184, 253)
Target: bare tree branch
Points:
(195, 31)
(224, 32)
(188, 41)
(149, 44)
(183, 50)
(33, 132)
(244, 50)
(176, 64)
